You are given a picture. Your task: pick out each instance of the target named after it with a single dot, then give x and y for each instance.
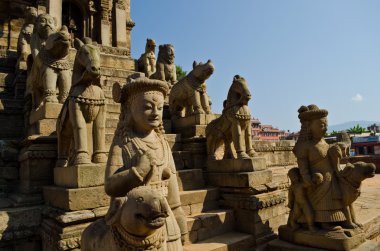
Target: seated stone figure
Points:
(298, 202)
(165, 67)
(140, 155)
(134, 222)
(44, 26)
(147, 60)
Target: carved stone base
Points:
(43, 121)
(240, 180)
(37, 161)
(192, 120)
(279, 245)
(72, 199)
(86, 175)
(62, 230)
(192, 126)
(346, 239)
(236, 165)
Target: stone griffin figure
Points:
(234, 125)
(51, 70)
(44, 26)
(165, 67)
(147, 60)
(84, 106)
(190, 94)
(141, 156)
(23, 43)
(329, 189)
(134, 222)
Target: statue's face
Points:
(146, 110)
(45, 25)
(318, 127)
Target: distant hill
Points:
(350, 124)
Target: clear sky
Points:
(291, 52)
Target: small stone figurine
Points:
(298, 201)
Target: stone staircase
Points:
(210, 227)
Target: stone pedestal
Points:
(193, 125)
(246, 186)
(43, 121)
(346, 239)
(76, 199)
(37, 160)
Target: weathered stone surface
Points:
(165, 67)
(192, 131)
(276, 153)
(190, 179)
(76, 198)
(46, 111)
(192, 120)
(246, 179)
(44, 127)
(343, 240)
(9, 172)
(279, 245)
(236, 165)
(86, 175)
(147, 61)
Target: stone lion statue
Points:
(24, 39)
(147, 60)
(189, 93)
(165, 67)
(44, 26)
(51, 70)
(234, 125)
(134, 222)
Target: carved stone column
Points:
(105, 25)
(120, 25)
(54, 8)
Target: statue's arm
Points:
(120, 179)
(160, 70)
(174, 74)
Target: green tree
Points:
(356, 129)
(180, 72)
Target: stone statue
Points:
(189, 93)
(165, 67)
(23, 43)
(147, 60)
(141, 156)
(326, 184)
(44, 26)
(84, 106)
(234, 125)
(298, 201)
(51, 70)
(134, 222)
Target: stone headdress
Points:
(121, 94)
(311, 112)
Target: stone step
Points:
(231, 241)
(190, 179)
(209, 224)
(200, 200)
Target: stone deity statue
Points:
(23, 43)
(141, 156)
(44, 26)
(147, 60)
(165, 67)
(326, 184)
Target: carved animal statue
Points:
(84, 107)
(147, 60)
(165, 67)
(135, 222)
(44, 26)
(234, 125)
(189, 93)
(350, 179)
(23, 42)
(51, 70)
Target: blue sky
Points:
(291, 52)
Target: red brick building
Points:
(266, 132)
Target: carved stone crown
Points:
(311, 112)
